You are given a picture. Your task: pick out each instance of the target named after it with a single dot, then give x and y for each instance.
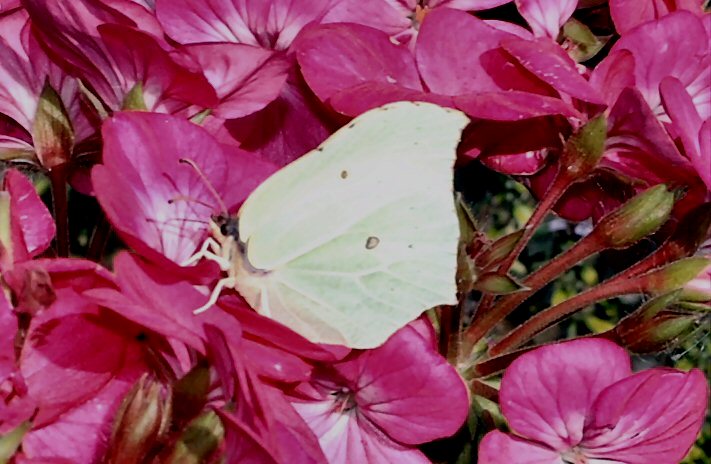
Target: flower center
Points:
(574, 456)
(344, 400)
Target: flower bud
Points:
(673, 276)
(497, 284)
(584, 149)
(637, 218)
(52, 132)
(200, 439)
(140, 422)
(10, 442)
(190, 393)
(659, 333)
(6, 252)
(498, 250)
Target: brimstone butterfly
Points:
(358, 237)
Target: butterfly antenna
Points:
(207, 182)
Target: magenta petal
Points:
(335, 57)
(519, 164)
(512, 106)
(402, 386)
(627, 14)
(546, 16)
(246, 78)
(8, 328)
(287, 128)
(498, 447)
(655, 414)
(350, 437)
(30, 218)
(153, 199)
(467, 5)
(361, 98)
(688, 125)
(546, 394)
(389, 17)
(551, 64)
(458, 53)
(613, 75)
(676, 45)
(268, 24)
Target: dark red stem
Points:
(58, 179)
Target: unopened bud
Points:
(190, 393)
(585, 44)
(584, 149)
(673, 276)
(498, 250)
(10, 442)
(638, 217)
(659, 333)
(6, 251)
(133, 100)
(199, 441)
(497, 284)
(140, 422)
(52, 132)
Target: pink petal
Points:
(270, 25)
(156, 202)
(551, 64)
(363, 97)
(287, 128)
(613, 75)
(467, 5)
(639, 146)
(627, 14)
(349, 437)
(679, 105)
(520, 164)
(8, 329)
(458, 53)
(546, 394)
(336, 57)
(652, 415)
(389, 16)
(676, 45)
(546, 17)
(497, 447)
(512, 106)
(402, 385)
(246, 78)
(30, 218)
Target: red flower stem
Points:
(554, 314)
(449, 321)
(477, 387)
(58, 179)
(583, 249)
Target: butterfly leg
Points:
(211, 250)
(227, 282)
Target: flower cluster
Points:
(171, 112)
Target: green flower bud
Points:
(637, 218)
(584, 149)
(52, 131)
(199, 441)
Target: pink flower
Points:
(377, 405)
(546, 16)
(579, 401)
(160, 206)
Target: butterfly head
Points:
(227, 225)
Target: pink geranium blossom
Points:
(377, 405)
(580, 402)
(630, 13)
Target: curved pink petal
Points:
(401, 386)
(29, 215)
(498, 447)
(676, 45)
(8, 329)
(363, 97)
(467, 5)
(287, 128)
(347, 436)
(653, 415)
(546, 17)
(547, 394)
(613, 75)
(626, 14)
(519, 164)
(389, 16)
(271, 25)
(246, 78)
(512, 105)
(688, 125)
(155, 201)
(336, 57)
(551, 64)
(458, 53)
